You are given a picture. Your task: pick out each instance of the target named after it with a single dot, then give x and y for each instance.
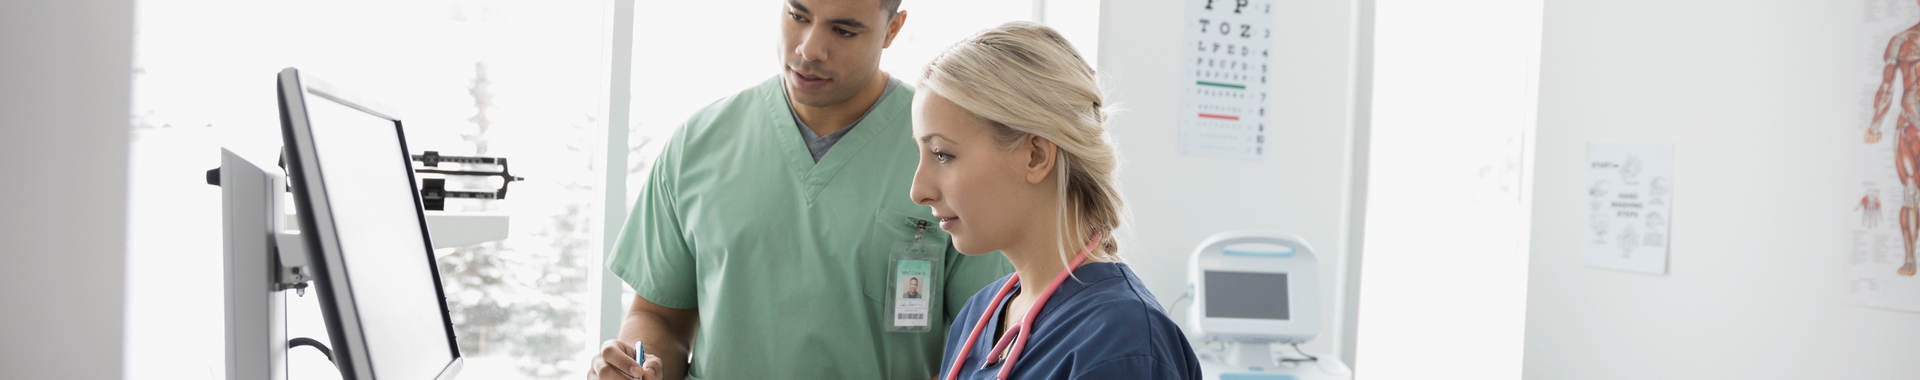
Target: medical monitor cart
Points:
(1251, 291)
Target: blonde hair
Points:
(1027, 80)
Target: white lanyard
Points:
(1018, 333)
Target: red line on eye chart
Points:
(1219, 116)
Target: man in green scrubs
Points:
(774, 237)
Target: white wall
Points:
(63, 147)
(1757, 98)
(1299, 188)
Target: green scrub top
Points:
(788, 260)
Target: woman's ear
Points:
(1041, 158)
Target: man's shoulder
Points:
(747, 101)
(717, 122)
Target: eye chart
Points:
(1224, 108)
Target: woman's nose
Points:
(922, 192)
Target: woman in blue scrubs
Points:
(1014, 157)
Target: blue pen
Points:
(640, 354)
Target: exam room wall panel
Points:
(1300, 187)
(1758, 98)
(63, 155)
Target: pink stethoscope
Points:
(1018, 333)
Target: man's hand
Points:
(668, 334)
(615, 362)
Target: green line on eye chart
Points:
(1218, 84)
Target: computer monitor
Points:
(361, 219)
(1253, 287)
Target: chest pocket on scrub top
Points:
(887, 238)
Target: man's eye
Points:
(845, 33)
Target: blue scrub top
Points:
(1104, 326)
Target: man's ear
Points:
(1041, 158)
(893, 28)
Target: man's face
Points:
(830, 49)
(913, 284)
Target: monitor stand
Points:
(1250, 354)
(264, 259)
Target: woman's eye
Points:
(942, 157)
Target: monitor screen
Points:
(366, 204)
(1249, 295)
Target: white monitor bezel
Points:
(1303, 289)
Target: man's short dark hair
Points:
(892, 7)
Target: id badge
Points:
(913, 284)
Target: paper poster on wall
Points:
(1886, 160)
(1629, 205)
(1224, 105)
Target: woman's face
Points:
(986, 194)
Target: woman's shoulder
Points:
(1119, 322)
(1114, 292)
(1120, 313)
(1118, 307)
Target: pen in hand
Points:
(640, 354)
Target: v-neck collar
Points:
(814, 176)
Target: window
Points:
(523, 80)
(1445, 268)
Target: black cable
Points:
(310, 342)
(1296, 348)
